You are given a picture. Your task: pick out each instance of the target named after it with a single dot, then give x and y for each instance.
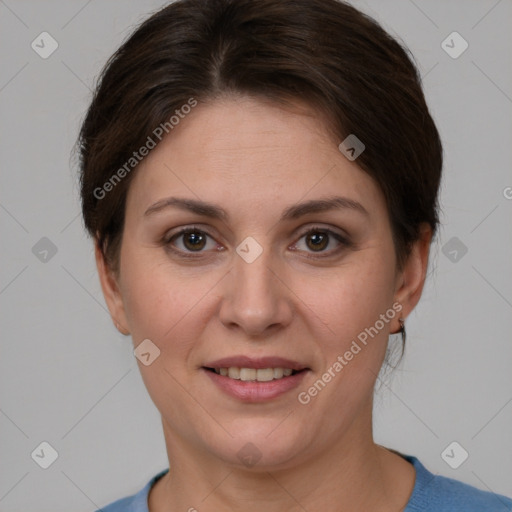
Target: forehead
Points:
(251, 155)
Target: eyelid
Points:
(169, 235)
(325, 229)
(168, 238)
(342, 239)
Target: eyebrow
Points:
(206, 209)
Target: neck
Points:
(353, 475)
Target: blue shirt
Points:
(431, 493)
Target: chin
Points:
(266, 445)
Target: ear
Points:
(111, 292)
(410, 280)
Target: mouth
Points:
(254, 374)
(255, 379)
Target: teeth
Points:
(278, 373)
(248, 373)
(253, 374)
(265, 374)
(233, 372)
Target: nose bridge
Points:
(256, 299)
(253, 284)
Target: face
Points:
(266, 278)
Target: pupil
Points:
(194, 240)
(318, 240)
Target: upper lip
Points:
(255, 362)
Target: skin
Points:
(255, 159)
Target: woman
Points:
(261, 178)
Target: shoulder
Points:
(135, 503)
(435, 493)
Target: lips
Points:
(260, 375)
(255, 379)
(256, 363)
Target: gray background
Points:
(67, 376)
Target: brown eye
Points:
(188, 241)
(194, 240)
(317, 241)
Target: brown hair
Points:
(323, 52)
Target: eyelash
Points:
(344, 242)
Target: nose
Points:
(256, 299)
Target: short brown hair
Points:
(325, 53)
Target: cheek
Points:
(352, 350)
(154, 298)
(168, 305)
(157, 305)
(352, 297)
(166, 308)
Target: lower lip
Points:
(254, 391)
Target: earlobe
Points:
(411, 279)
(111, 292)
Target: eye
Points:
(189, 240)
(193, 242)
(318, 239)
